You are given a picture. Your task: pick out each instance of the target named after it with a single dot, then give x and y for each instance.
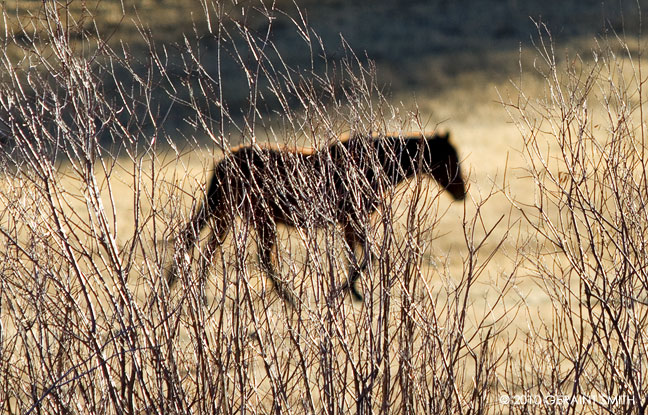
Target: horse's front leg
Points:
(352, 238)
(266, 241)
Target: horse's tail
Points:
(211, 207)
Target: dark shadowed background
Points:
(421, 48)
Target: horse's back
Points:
(269, 182)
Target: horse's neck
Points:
(397, 163)
(392, 153)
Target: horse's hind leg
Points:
(186, 244)
(206, 259)
(266, 240)
(220, 231)
(352, 239)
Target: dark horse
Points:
(268, 185)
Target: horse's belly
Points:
(304, 209)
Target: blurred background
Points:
(448, 55)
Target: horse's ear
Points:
(445, 136)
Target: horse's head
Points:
(441, 161)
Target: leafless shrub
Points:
(585, 146)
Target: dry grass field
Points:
(526, 297)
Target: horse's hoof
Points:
(357, 296)
(254, 336)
